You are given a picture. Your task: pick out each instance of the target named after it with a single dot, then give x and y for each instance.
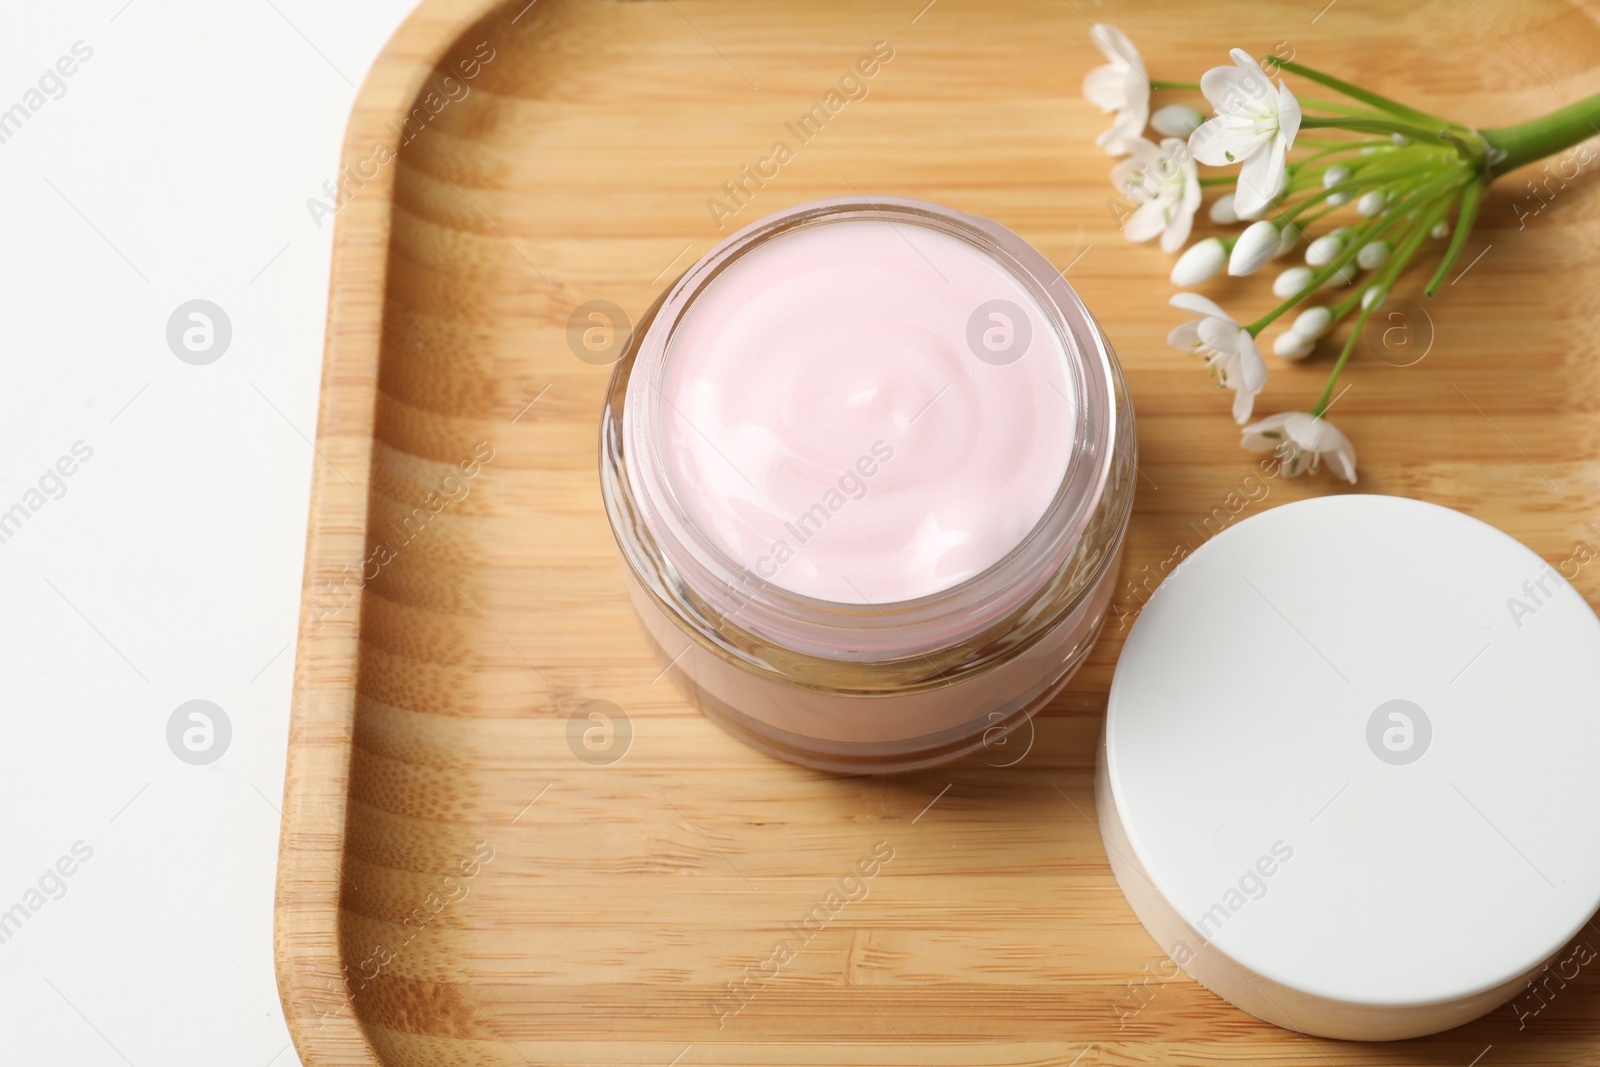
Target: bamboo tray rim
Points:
(313, 826)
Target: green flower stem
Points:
(1360, 235)
(1340, 109)
(1192, 87)
(1513, 146)
(1470, 201)
(1336, 149)
(1358, 182)
(1355, 92)
(1405, 129)
(1322, 274)
(1328, 142)
(1426, 220)
(1344, 357)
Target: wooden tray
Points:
(462, 881)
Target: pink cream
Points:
(842, 416)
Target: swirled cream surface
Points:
(863, 411)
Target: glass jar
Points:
(849, 684)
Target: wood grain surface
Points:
(458, 886)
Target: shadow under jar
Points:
(869, 464)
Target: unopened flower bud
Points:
(1372, 202)
(1373, 255)
(1323, 250)
(1292, 345)
(1287, 240)
(1312, 323)
(1441, 230)
(1334, 175)
(1176, 120)
(1255, 246)
(1343, 276)
(1373, 295)
(1199, 262)
(1291, 282)
(1222, 210)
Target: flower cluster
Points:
(1385, 176)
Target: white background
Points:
(176, 166)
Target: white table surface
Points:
(174, 165)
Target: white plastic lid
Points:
(1348, 779)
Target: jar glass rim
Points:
(940, 618)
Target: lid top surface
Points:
(1354, 742)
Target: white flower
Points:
(1294, 436)
(1222, 210)
(1176, 120)
(1228, 349)
(1254, 126)
(1257, 244)
(1119, 86)
(1202, 260)
(1167, 187)
(1291, 282)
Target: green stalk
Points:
(1355, 92)
(1513, 146)
(1402, 257)
(1470, 201)
(1360, 234)
(1417, 133)
(1184, 86)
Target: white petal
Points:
(1103, 87)
(1255, 437)
(1185, 336)
(1115, 46)
(1243, 403)
(1288, 116)
(1128, 126)
(1222, 210)
(1145, 223)
(1222, 142)
(1261, 178)
(1222, 338)
(1177, 231)
(1252, 368)
(1343, 461)
(1224, 88)
(1199, 305)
